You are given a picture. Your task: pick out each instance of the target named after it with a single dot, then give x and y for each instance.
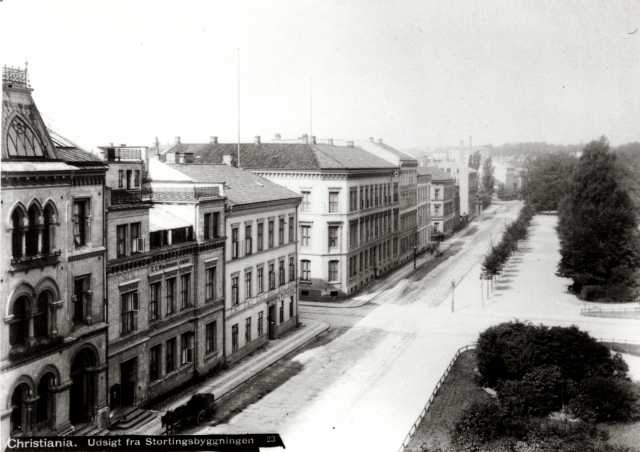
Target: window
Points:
(260, 278)
(305, 270)
(136, 178)
(234, 338)
(81, 298)
(185, 281)
(234, 243)
(211, 225)
(395, 192)
(210, 284)
(235, 299)
(22, 140)
(154, 362)
(260, 236)
(436, 193)
(291, 229)
(121, 240)
(81, 221)
(281, 311)
(136, 240)
(333, 236)
(270, 234)
(171, 295)
(353, 234)
(186, 348)
(353, 199)
(306, 234)
(248, 244)
(154, 301)
(129, 179)
(333, 271)
(361, 198)
(290, 307)
(292, 269)
(281, 275)
(280, 231)
(170, 355)
(260, 323)
(211, 334)
(120, 178)
(306, 201)
(247, 284)
(18, 328)
(247, 329)
(272, 276)
(41, 315)
(333, 201)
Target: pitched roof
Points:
(161, 172)
(68, 151)
(401, 155)
(241, 187)
(436, 173)
(286, 156)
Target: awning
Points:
(166, 216)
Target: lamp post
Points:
(453, 294)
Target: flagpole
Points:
(238, 102)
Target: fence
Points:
(433, 395)
(614, 311)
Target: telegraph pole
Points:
(238, 100)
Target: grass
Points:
(457, 393)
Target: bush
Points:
(604, 399)
(539, 393)
(478, 424)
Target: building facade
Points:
(442, 201)
(350, 211)
(54, 334)
(423, 210)
(261, 221)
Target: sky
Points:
(415, 73)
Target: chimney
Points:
(226, 159)
(305, 138)
(372, 140)
(257, 139)
(277, 137)
(330, 141)
(313, 139)
(122, 145)
(350, 144)
(379, 140)
(213, 140)
(177, 140)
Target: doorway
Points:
(128, 382)
(271, 318)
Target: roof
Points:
(436, 173)
(241, 187)
(159, 171)
(68, 151)
(34, 166)
(284, 156)
(170, 216)
(401, 155)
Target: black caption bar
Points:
(245, 442)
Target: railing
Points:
(123, 196)
(434, 393)
(206, 192)
(613, 311)
(116, 155)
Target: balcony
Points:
(25, 263)
(124, 154)
(23, 351)
(123, 196)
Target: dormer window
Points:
(22, 141)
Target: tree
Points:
(599, 243)
(547, 179)
(474, 160)
(488, 181)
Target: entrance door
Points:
(128, 381)
(271, 318)
(83, 387)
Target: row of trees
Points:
(537, 371)
(500, 253)
(598, 220)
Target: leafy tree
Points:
(474, 160)
(488, 181)
(599, 242)
(547, 179)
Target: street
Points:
(364, 389)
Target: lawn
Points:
(458, 392)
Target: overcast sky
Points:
(412, 72)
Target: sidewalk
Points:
(233, 377)
(404, 271)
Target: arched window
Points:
(41, 315)
(48, 234)
(19, 328)
(22, 140)
(32, 232)
(45, 404)
(17, 233)
(18, 409)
